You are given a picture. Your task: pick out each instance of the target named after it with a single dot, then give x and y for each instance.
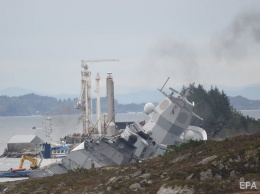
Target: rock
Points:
(145, 176)
(214, 163)
(135, 174)
(232, 174)
(242, 179)
(134, 168)
(208, 159)
(150, 182)
(179, 158)
(175, 190)
(190, 177)
(221, 166)
(112, 180)
(238, 159)
(206, 175)
(166, 179)
(127, 177)
(135, 186)
(143, 182)
(109, 188)
(226, 167)
(169, 190)
(257, 184)
(115, 179)
(217, 176)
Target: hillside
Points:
(194, 167)
(241, 103)
(32, 104)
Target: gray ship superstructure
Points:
(170, 120)
(168, 124)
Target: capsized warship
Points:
(168, 124)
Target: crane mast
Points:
(85, 99)
(98, 105)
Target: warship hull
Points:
(168, 124)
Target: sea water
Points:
(251, 113)
(23, 125)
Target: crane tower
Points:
(85, 99)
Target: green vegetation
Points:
(220, 118)
(186, 145)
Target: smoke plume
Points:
(173, 59)
(240, 36)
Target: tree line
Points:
(32, 104)
(220, 118)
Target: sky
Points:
(215, 43)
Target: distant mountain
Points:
(16, 91)
(33, 104)
(138, 97)
(251, 92)
(242, 103)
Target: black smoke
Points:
(170, 58)
(242, 35)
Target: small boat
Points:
(15, 173)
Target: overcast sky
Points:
(43, 42)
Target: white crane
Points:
(85, 100)
(98, 105)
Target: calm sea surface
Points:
(61, 126)
(251, 113)
(10, 126)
